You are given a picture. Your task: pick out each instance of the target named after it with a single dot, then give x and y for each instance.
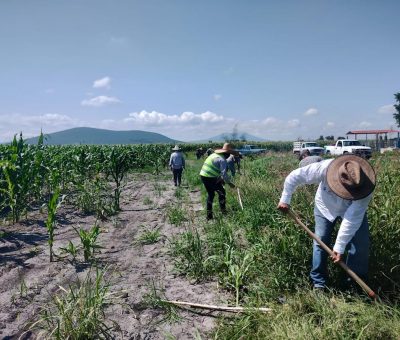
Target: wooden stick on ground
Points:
(240, 198)
(219, 308)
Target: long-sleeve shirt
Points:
(177, 161)
(222, 165)
(327, 202)
(230, 159)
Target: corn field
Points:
(257, 255)
(29, 175)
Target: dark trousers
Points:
(177, 176)
(214, 185)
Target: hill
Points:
(85, 135)
(229, 136)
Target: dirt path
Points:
(27, 279)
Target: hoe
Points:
(352, 274)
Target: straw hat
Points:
(176, 148)
(351, 177)
(227, 148)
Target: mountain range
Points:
(86, 135)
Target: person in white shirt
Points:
(345, 190)
(230, 161)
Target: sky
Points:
(280, 70)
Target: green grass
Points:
(311, 316)
(147, 201)
(77, 312)
(149, 236)
(155, 298)
(176, 215)
(189, 255)
(159, 188)
(259, 255)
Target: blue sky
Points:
(192, 69)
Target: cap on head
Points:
(351, 177)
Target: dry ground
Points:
(28, 280)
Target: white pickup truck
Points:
(313, 147)
(345, 146)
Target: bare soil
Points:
(28, 280)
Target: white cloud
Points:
(311, 112)
(293, 123)
(271, 121)
(100, 101)
(186, 118)
(47, 119)
(217, 97)
(365, 124)
(330, 124)
(49, 91)
(30, 125)
(102, 83)
(387, 109)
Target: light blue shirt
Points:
(177, 161)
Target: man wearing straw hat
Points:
(345, 190)
(213, 174)
(177, 164)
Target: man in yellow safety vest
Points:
(213, 174)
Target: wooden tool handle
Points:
(352, 274)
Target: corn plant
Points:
(88, 240)
(117, 166)
(71, 249)
(51, 222)
(9, 191)
(237, 269)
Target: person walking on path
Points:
(305, 158)
(213, 174)
(177, 164)
(345, 190)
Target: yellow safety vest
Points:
(209, 169)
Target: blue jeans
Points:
(357, 250)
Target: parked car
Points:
(312, 147)
(346, 146)
(250, 149)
